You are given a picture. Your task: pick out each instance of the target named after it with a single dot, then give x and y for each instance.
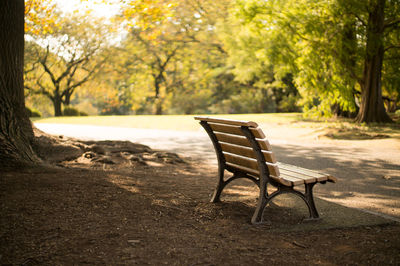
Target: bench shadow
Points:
(289, 213)
(376, 180)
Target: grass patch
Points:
(332, 128)
(172, 122)
(345, 129)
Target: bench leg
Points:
(220, 186)
(223, 183)
(307, 197)
(262, 202)
(310, 199)
(264, 199)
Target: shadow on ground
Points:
(363, 182)
(155, 215)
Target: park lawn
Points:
(170, 122)
(334, 128)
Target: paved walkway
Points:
(185, 143)
(368, 171)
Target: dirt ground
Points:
(116, 202)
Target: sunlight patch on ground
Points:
(386, 205)
(124, 183)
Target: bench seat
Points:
(292, 175)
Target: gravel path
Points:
(368, 170)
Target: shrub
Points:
(247, 101)
(70, 111)
(33, 112)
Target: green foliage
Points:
(247, 101)
(258, 55)
(112, 107)
(289, 104)
(72, 111)
(226, 56)
(320, 43)
(33, 112)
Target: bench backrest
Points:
(237, 143)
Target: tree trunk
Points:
(16, 131)
(57, 105)
(159, 109)
(339, 112)
(157, 98)
(372, 108)
(67, 99)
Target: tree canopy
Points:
(325, 58)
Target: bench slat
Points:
(246, 152)
(246, 162)
(236, 130)
(249, 163)
(242, 141)
(295, 181)
(227, 121)
(244, 169)
(256, 173)
(306, 179)
(305, 172)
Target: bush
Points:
(33, 112)
(71, 111)
(247, 101)
(289, 104)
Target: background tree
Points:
(175, 54)
(63, 59)
(382, 18)
(254, 59)
(329, 47)
(157, 54)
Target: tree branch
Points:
(392, 47)
(360, 19)
(46, 68)
(392, 23)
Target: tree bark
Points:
(57, 105)
(157, 98)
(67, 98)
(372, 108)
(16, 131)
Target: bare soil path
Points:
(369, 169)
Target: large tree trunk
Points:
(16, 131)
(372, 108)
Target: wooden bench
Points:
(243, 150)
